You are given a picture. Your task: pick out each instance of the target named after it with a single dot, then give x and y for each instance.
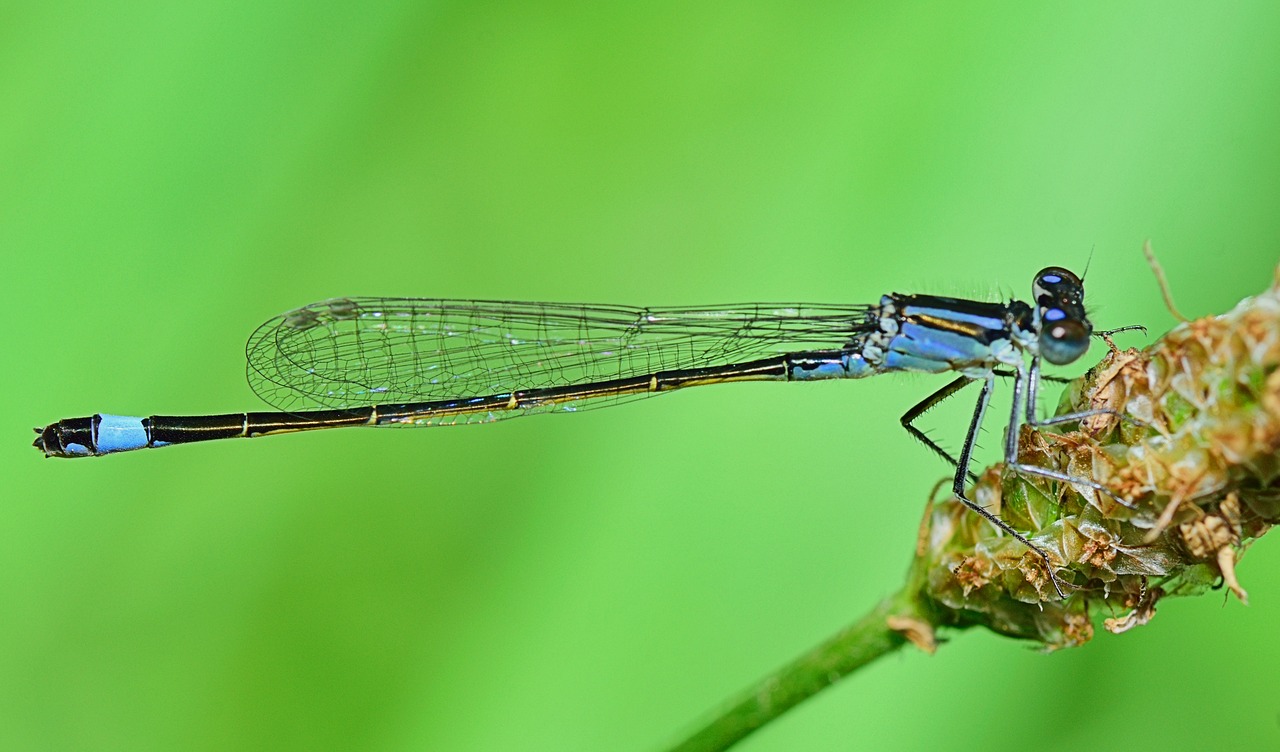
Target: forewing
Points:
(353, 352)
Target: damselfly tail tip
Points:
(48, 441)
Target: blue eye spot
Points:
(1051, 279)
(1054, 314)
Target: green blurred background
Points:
(173, 174)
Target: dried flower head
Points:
(1192, 467)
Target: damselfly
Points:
(415, 362)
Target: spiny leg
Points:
(1034, 387)
(909, 418)
(1031, 381)
(1104, 333)
(962, 472)
(1047, 377)
(928, 403)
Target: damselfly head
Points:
(1064, 327)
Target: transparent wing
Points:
(355, 352)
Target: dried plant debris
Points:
(1192, 466)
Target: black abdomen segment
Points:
(106, 434)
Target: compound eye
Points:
(1055, 280)
(1062, 340)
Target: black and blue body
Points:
(409, 361)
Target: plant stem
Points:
(840, 655)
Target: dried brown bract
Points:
(1192, 465)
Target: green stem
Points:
(840, 655)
